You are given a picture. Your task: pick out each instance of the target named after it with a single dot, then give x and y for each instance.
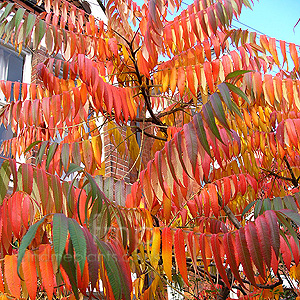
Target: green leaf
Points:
(78, 241)
(291, 230)
(41, 152)
(8, 9)
(60, 233)
(237, 73)
(68, 263)
(225, 93)
(31, 146)
(210, 119)
(51, 153)
(29, 24)
(39, 32)
(290, 203)
(294, 216)
(238, 91)
(277, 203)
(113, 272)
(201, 134)
(247, 208)
(74, 168)
(266, 204)
(257, 209)
(218, 109)
(27, 239)
(65, 155)
(5, 173)
(19, 16)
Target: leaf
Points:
(92, 257)
(27, 178)
(74, 168)
(237, 73)
(5, 173)
(253, 245)
(180, 254)
(78, 241)
(215, 246)
(218, 109)
(19, 16)
(192, 147)
(57, 192)
(201, 134)
(52, 150)
(225, 93)
(60, 233)
(8, 9)
(46, 269)
(68, 263)
(167, 241)
(248, 207)
(32, 146)
(12, 280)
(210, 119)
(27, 239)
(30, 21)
(274, 229)
(292, 215)
(30, 274)
(244, 255)
(41, 152)
(230, 256)
(112, 269)
(237, 91)
(264, 236)
(155, 248)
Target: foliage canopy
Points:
(214, 207)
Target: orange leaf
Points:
(155, 247)
(167, 241)
(97, 148)
(294, 55)
(46, 269)
(12, 279)
(87, 155)
(180, 254)
(181, 80)
(1, 281)
(30, 275)
(273, 51)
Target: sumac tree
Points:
(214, 208)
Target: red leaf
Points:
(264, 236)
(253, 245)
(213, 195)
(230, 256)
(274, 230)
(180, 254)
(215, 246)
(286, 252)
(92, 257)
(295, 250)
(244, 255)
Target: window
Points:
(15, 68)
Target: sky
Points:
(275, 18)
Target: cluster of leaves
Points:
(215, 202)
